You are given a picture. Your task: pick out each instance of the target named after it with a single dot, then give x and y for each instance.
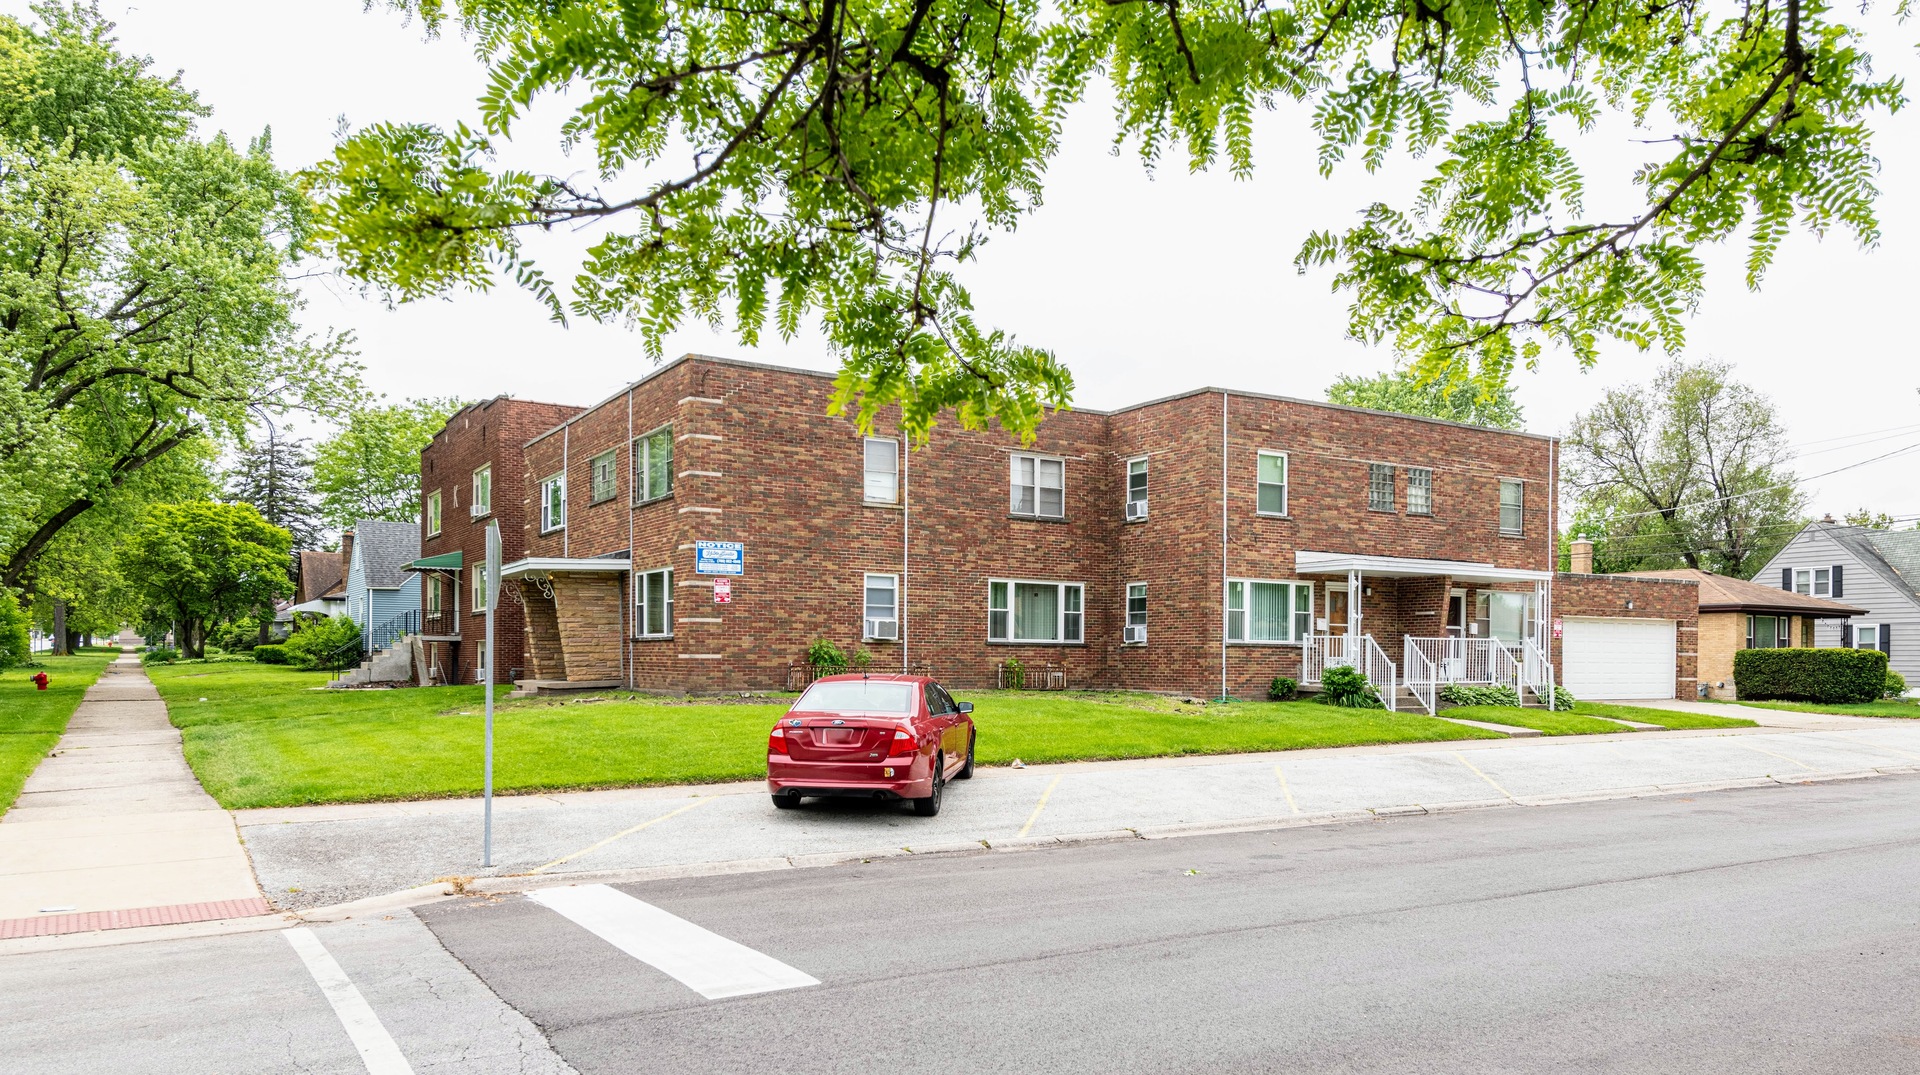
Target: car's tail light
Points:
(777, 741)
(903, 744)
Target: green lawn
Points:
(1887, 708)
(31, 720)
(1589, 718)
(264, 738)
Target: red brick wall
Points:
(1606, 596)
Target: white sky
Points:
(1144, 285)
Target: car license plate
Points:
(842, 737)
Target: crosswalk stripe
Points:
(701, 960)
(376, 1046)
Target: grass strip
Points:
(1541, 720)
(32, 720)
(1908, 710)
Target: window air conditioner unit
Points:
(1136, 509)
(888, 630)
(1136, 636)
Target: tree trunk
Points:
(60, 648)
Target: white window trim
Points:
(1411, 471)
(435, 514)
(1286, 487)
(1862, 628)
(1036, 513)
(1126, 611)
(866, 611)
(1500, 508)
(1126, 488)
(642, 449)
(548, 526)
(612, 455)
(1060, 614)
(486, 507)
(1226, 600)
(478, 584)
(640, 603)
(895, 498)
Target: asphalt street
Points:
(1758, 930)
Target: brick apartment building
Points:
(472, 473)
(1201, 543)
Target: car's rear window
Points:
(858, 696)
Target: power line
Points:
(1773, 488)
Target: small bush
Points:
(1825, 676)
(160, 655)
(16, 643)
(1282, 689)
(1347, 687)
(1461, 694)
(1896, 684)
(320, 644)
(825, 658)
(1563, 699)
(272, 654)
(861, 660)
(1015, 674)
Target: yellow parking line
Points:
(1481, 775)
(624, 832)
(1285, 790)
(1039, 806)
(1782, 757)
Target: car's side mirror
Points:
(965, 707)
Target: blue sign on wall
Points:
(719, 558)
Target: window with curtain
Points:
(1038, 486)
(1022, 611)
(653, 612)
(433, 513)
(1505, 616)
(882, 465)
(653, 465)
(482, 491)
(1769, 632)
(1262, 611)
(1272, 477)
(882, 602)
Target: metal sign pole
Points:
(492, 588)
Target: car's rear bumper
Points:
(912, 778)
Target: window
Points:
(653, 604)
(857, 696)
(1806, 631)
(881, 610)
(431, 583)
(1136, 632)
(1512, 499)
(479, 573)
(1259, 611)
(433, 513)
(653, 465)
(1822, 582)
(606, 480)
(480, 661)
(553, 503)
(1802, 582)
(882, 470)
(1769, 632)
(1379, 486)
(1039, 486)
(1419, 491)
(1273, 483)
(1136, 488)
(1019, 611)
(1866, 636)
(482, 491)
(1506, 616)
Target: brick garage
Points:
(1620, 597)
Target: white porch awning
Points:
(552, 565)
(1410, 567)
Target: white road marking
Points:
(699, 959)
(376, 1046)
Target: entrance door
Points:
(1457, 614)
(1453, 667)
(1337, 611)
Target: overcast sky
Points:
(1144, 285)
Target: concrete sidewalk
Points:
(113, 829)
(313, 856)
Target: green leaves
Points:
(370, 469)
(200, 564)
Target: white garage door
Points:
(1618, 658)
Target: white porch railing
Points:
(1468, 660)
(1536, 673)
(1381, 673)
(1351, 651)
(1421, 673)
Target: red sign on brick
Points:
(723, 591)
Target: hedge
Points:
(1826, 676)
(271, 654)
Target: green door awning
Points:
(446, 561)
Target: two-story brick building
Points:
(474, 472)
(699, 528)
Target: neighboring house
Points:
(383, 597)
(701, 527)
(474, 473)
(321, 588)
(1736, 615)
(1876, 570)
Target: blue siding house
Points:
(380, 590)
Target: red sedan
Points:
(879, 737)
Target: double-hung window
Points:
(553, 503)
(1866, 636)
(479, 573)
(432, 513)
(1512, 500)
(1380, 486)
(653, 604)
(1137, 488)
(482, 491)
(431, 585)
(653, 465)
(880, 611)
(1039, 486)
(1769, 632)
(1817, 582)
(1136, 632)
(881, 482)
(606, 476)
(1022, 611)
(1263, 611)
(1272, 478)
(1419, 491)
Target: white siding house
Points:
(379, 588)
(1878, 570)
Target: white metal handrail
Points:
(1537, 674)
(1381, 673)
(1327, 651)
(1420, 672)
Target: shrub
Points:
(1896, 684)
(1460, 694)
(160, 655)
(861, 660)
(1282, 689)
(16, 645)
(825, 658)
(271, 654)
(1014, 674)
(239, 636)
(1563, 699)
(1349, 688)
(1825, 676)
(319, 644)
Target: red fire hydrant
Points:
(40, 681)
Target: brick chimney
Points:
(1580, 552)
(346, 551)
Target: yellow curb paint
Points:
(618, 835)
(1285, 790)
(1481, 775)
(1782, 757)
(1039, 806)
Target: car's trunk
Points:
(840, 738)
